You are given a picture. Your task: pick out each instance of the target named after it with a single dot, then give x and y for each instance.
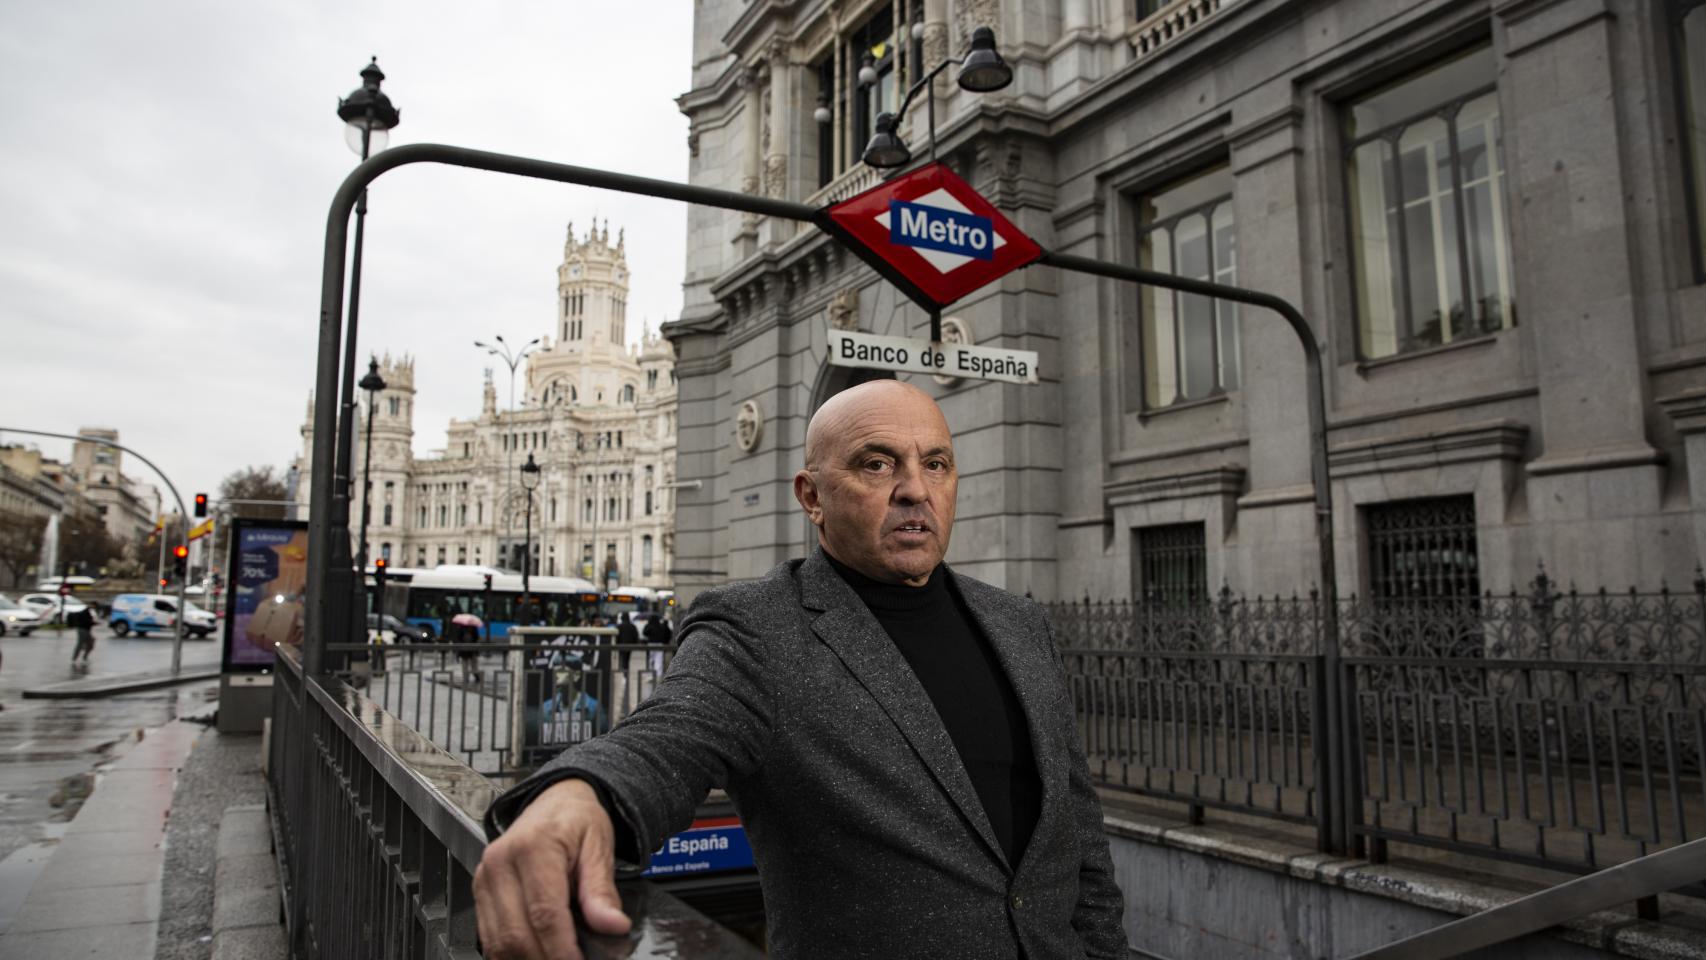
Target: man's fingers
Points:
(595, 885)
(544, 876)
(500, 900)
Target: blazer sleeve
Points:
(1099, 915)
(708, 723)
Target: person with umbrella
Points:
(465, 629)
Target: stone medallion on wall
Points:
(749, 426)
(954, 330)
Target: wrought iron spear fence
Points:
(1562, 729)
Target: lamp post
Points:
(513, 359)
(981, 71)
(372, 383)
(368, 117)
(529, 482)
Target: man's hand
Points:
(523, 884)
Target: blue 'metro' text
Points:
(933, 228)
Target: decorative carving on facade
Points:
(775, 175)
(764, 124)
(954, 330)
(749, 426)
(973, 14)
(693, 143)
(935, 46)
(844, 309)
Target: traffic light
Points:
(180, 557)
(163, 582)
(201, 504)
(379, 572)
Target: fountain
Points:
(47, 564)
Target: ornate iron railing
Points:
(1558, 729)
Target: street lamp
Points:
(529, 482)
(372, 383)
(513, 359)
(368, 116)
(982, 71)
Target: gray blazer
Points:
(869, 837)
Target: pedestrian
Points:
(657, 634)
(84, 621)
(895, 736)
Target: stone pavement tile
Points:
(246, 871)
(113, 941)
(244, 829)
(105, 844)
(244, 906)
(68, 909)
(250, 943)
(79, 873)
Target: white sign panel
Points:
(849, 348)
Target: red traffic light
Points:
(201, 504)
(379, 564)
(180, 551)
(162, 581)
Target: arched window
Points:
(646, 554)
(627, 393)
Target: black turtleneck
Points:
(934, 631)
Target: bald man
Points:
(897, 738)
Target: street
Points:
(50, 749)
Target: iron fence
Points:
(504, 709)
(1565, 730)
(378, 837)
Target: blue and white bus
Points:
(434, 596)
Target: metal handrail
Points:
(1647, 876)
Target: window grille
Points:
(1422, 549)
(1428, 216)
(1172, 564)
(1190, 342)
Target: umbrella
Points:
(467, 620)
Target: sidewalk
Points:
(134, 876)
(111, 684)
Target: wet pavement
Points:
(50, 749)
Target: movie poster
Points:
(269, 581)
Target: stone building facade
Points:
(1490, 211)
(596, 414)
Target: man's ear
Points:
(805, 491)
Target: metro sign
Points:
(933, 235)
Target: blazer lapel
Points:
(848, 628)
(1028, 667)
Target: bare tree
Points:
(255, 483)
(20, 541)
(85, 543)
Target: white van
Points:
(156, 612)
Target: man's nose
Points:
(909, 484)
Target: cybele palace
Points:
(596, 414)
(1492, 214)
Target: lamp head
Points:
(372, 381)
(368, 110)
(822, 114)
(529, 474)
(984, 71)
(868, 70)
(886, 148)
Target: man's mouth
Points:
(913, 526)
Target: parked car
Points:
(47, 605)
(396, 631)
(149, 612)
(17, 617)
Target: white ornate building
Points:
(597, 415)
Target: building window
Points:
(824, 71)
(1690, 34)
(1190, 342)
(387, 521)
(423, 516)
(461, 554)
(462, 515)
(441, 555)
(646, 555)
(385, 551)
(420, 556)
(1172, 564)
(1429, 229)
(651, 380)
(627, 393)
(1422, 549)
(648, 503)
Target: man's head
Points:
(625, 617)
(880, 480)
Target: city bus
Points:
(432, 597)
(640, 603)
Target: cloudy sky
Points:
(166, 167)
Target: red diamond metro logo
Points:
(932, 234)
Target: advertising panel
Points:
(268, 586)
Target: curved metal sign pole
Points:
(178, 635)
(333, 582)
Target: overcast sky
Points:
(166, 168)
